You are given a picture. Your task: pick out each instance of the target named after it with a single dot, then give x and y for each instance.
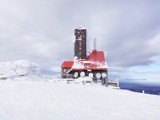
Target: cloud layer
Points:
(42, 30)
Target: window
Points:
(65, 70)
(87, 64)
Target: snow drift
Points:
(11, 70)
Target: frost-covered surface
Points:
(80, 64)
(11, 70)
(81, 28)
(53, 99)
(83, 80)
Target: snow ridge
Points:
(10, 70)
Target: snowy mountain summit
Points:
(11, 70)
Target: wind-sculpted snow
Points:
(11, 70)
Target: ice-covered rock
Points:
(9, 70)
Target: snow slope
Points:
(56, 100)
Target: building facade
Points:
(80, 50)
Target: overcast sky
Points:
(42, 31)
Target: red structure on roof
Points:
(67, 64)
(95, 61)
(96, 56)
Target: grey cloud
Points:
(42, 30)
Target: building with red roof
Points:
(93, 65)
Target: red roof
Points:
(96, 56)
(95, 61)
(67, 64)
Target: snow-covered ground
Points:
(25, 94)
(52, 99)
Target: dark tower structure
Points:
(80, 43)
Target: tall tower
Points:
(80, 43)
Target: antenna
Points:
(94, 44)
